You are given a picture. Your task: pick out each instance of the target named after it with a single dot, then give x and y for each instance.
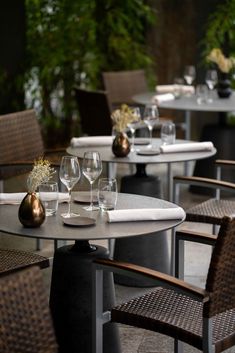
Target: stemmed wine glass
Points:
(91, 169)
(189, 74)
(211, 80)
(69, 176)
(133, 125)
(151, 117)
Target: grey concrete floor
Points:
(196, 264)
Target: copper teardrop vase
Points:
(31, 211)
(121, 145)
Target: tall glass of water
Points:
(151, 117)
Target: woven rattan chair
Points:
(22, 143)
(203, 318)
(121, 86)
(94, 112)
(214, 209)
(12, 259)
(25, 320)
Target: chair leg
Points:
(38, 244)
(179, 258)
(97, 311)
(178, 346)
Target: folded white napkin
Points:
(159, 98)
(172, 88)
(91, 141)
(15, 198)
(187, 147)
(145, 214)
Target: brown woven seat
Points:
(121, 86)
(11, 260)
(212, 210)
(25, 321)
(201, 318)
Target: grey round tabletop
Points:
(189, 103)
(133, 158)
(53, 227)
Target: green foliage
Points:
(72, 42)
(220, 29)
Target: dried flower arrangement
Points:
(224, 64)
(122, 117)
(41, 173)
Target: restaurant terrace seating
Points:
(203, 318)
(13, 259)
(214, 209)
(94, 112)
(26, 324)
(122, 85)
(22, 143)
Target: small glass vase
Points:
(31, 211)
(121, 145)
(224, 89)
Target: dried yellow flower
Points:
(41, 173)
(122, 117)
(224, 64)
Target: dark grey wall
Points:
(12, 49)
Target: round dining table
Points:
(141, 161)
(70, 295)
(189, 104)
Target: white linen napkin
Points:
(15, 198)
(172, 88)
(145, 214)
(187, 147)
(159, 98)
(91, 141)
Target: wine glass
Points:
(151, 117)
(133, 125)
(69, 176)
(91, 169)
(211, 80)
(189, 74)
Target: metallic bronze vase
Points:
(121, 145)
(31, 211)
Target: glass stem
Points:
(91, 201)
(69, 210)
(150, 135)
(132, 139)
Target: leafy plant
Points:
(220, 29)
(71, 43)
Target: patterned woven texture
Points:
(211, 211)
(25, 322)
(21, 139)
(168, 312)
(11, 260)
(122, 85)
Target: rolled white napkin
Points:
(159, 98)
(145, 214)
(172, 88)
(15, 198)
(91, 141)
(187, 147)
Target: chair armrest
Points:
(196, 237)
(158, 278)
(225, 163)
(207, 182)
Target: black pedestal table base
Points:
(150, 250)
(70, 299)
